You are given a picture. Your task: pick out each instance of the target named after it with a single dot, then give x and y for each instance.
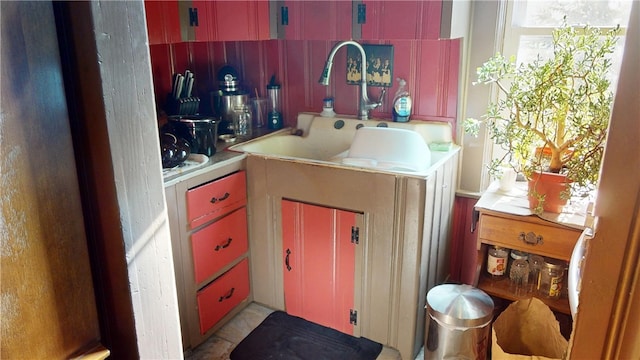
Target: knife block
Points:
(182, 106)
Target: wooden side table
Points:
(506, 221)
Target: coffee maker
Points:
(227, 98)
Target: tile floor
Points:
(220, 345)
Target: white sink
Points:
(389, 149)
(282, 143)
(374, 144)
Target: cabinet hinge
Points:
(284, 15)
(353, 317)
(362, 13)
(193, 16)
(355, 234)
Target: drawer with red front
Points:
(209, 201)
(217, 244)
(222, 295)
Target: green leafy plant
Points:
(552, 115)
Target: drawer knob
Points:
(224, 246)
(227, 295)
(531, 238)
(215, 199)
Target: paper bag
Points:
(527, 329)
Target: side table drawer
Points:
(527, 236)
(211, 200)
(222, 295)
(218, 244)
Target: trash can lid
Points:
(460, 305)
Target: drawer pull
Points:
(530, 238)
(215, 199)
(224, 246)
(228, 295)
(286, 260)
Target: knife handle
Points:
(179, 86)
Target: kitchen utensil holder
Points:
(182, 106)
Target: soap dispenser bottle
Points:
(401, 103)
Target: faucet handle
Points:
(374, 105)
(382, 93)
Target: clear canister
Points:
(536, 263)
(551, 277)
(497, 261)
(519, 277)
(516, 255)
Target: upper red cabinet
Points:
(206, 20)
(196, 20)
(398, 20)
(163, 22)
(240, 20)
(314, 20)
(227, 20)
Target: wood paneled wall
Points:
(463, 241)
(430, 67)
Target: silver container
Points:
(458, 322)
(224, 106)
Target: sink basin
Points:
(282, 143)
(376, 144)
(389, 149)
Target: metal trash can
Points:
(458, 322)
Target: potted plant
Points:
(552, 114)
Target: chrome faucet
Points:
(365, 104)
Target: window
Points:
(530, 23)
(521, 28)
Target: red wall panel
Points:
(294, 85)
(429, 66)
(451, 82)
(255, 75)
(463, 241)
(201, 68)
(162, 70)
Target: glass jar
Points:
(551, 277)
(519, 277)
(497, 261)
(242, 121)
(516, 255)
(536, 263)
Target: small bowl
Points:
(227, 138)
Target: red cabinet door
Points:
(319, 263)
(402, 20)
(193, 20)
(196, 21)
(163, 24)
(155, 25)
(206, 20)
(240, 20)
(318, 20)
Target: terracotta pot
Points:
(549, 185)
